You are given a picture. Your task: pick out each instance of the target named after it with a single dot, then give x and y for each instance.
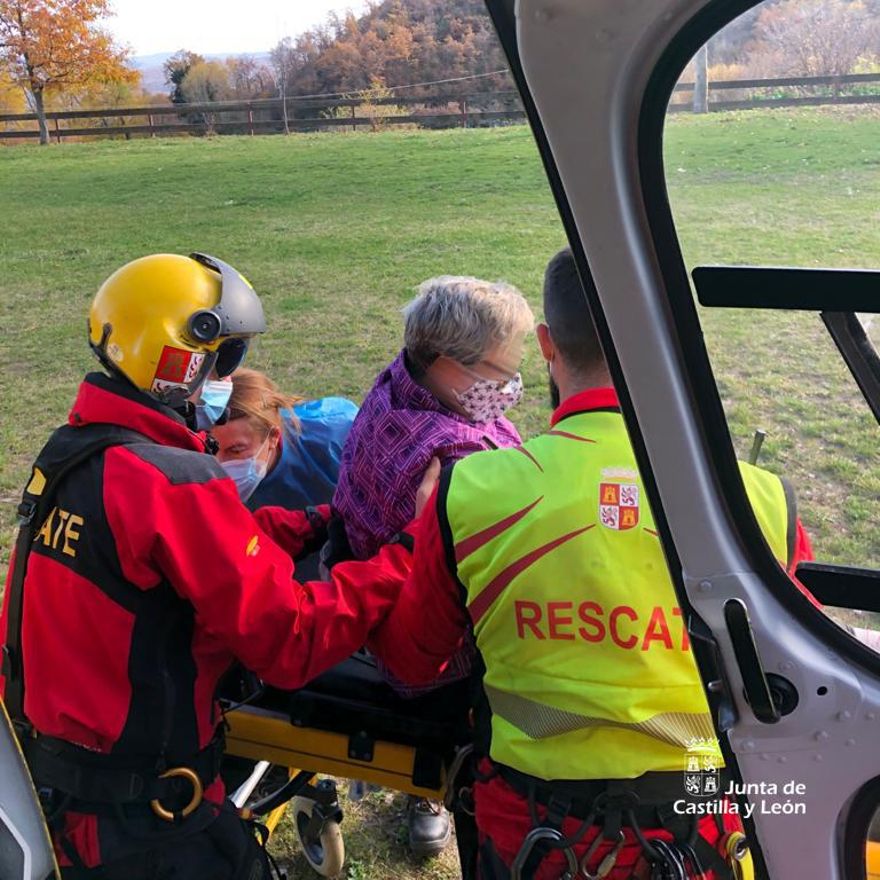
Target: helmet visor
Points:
(239, 311)
(230, 356)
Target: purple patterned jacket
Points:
(399, 428)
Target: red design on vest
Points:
(498, 584)
(466, 546)
(569, 436)
(529, 456)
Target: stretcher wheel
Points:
(324, 852)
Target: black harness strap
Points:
(36, 502)
(643, 802)
(96, 778)
(685, 831)
(558, 808)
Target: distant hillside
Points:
(402, 42)
(397, 43)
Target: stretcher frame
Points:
(266, 735)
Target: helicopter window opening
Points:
(838, 292)
(794, 351)
(756, 191)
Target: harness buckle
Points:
(195, 801)
(536, 835)
(26, 512)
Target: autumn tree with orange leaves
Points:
(54, 44)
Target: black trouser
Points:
(489, 863)
(227, 849)
(467, 841)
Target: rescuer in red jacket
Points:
(140, 578)
(591, 704)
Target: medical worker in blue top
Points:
(282, 450)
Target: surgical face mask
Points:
(247, 473)
(488, 399)
(212, 403)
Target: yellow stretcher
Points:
(348, 723)
(260, 735)
(265, 735)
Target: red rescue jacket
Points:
(149, 578)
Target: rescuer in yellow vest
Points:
(596, 750)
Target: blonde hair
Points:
(462, 318)
(256, 397)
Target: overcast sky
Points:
(215, 26)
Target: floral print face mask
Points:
(488, 399)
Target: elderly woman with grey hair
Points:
(444, 396)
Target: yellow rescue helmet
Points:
(165, 321)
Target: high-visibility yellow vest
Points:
(589, 673)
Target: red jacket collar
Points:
(102, 400)
(586, 401)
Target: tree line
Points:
(399, 44)
(395, 44)
(55, 53)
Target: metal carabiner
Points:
(736, 850)
(466, 801)
(607, 864)
(192, 778)
(535, 835)
(457, 763)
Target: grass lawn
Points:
(336, 230)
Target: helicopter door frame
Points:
(596, 78)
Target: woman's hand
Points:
(427, 486)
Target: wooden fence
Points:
(435, 111)
(855, 88)
(265, 116)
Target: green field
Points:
(335, 231)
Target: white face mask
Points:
(488, 399)
(247, 473)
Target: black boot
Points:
(429, 827)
